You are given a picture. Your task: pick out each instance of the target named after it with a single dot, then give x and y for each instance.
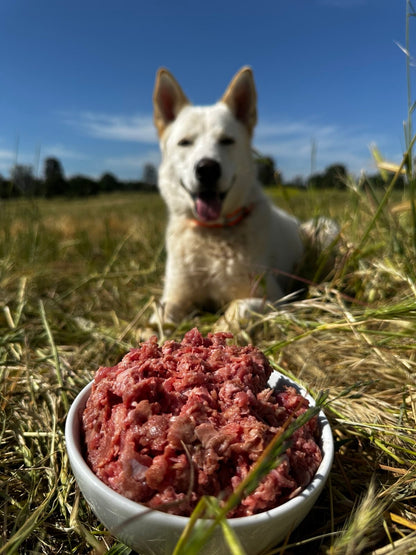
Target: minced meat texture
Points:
(171, 423)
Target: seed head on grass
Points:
(363, 527)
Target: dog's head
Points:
(207, 166)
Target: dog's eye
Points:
(185, 142)
(225, 141)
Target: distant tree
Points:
(266, 170)
(81, 186)
(22, 178)
(108, 182)
(149, 174)
(334, 176)
(316, 181)
(375, 181)
(54, 180)
(5, 189)
(132, 185)
(279, 178)
(297, 182)
(378, 181)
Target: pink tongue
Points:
(208, 209)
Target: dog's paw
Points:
(244, 309)
(241, 313)
(160, 316)
(166, 314)
(156, 318)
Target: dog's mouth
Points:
(208, 204)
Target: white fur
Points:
(211, 266)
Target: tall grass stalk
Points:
(388, 193)
(411, 104)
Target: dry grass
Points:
(77, 280)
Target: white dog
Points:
(225, 240)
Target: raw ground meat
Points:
(171, 423)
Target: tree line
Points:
(334, 176)
(53, 182)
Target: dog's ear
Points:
(168, 100)
(241, 98)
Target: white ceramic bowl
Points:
(156, 533)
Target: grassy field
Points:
(77, 283)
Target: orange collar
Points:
(229, 220)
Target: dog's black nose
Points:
(208, 172)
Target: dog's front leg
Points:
(179, 297)
(172, 312)
(168, 312)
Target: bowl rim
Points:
(77, 460)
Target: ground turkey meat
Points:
(171, 423)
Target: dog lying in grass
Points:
(225, 240)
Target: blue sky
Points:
(76, 78)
